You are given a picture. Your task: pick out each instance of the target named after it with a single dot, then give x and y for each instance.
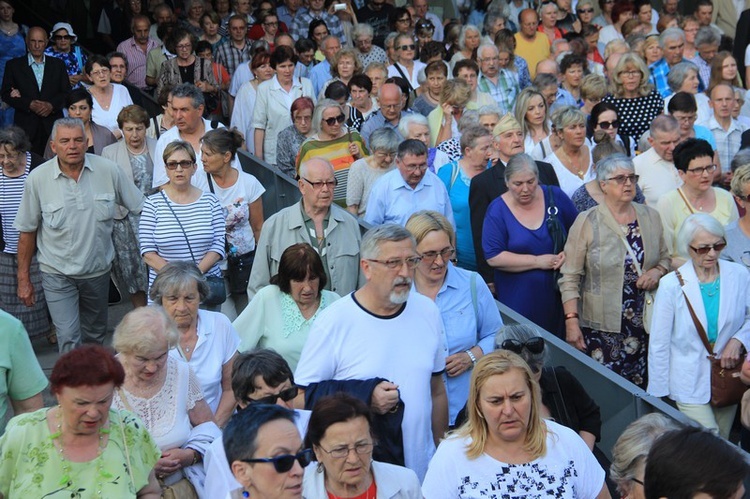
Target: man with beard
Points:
(384, 330)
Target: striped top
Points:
(11, 191)
(160, 232)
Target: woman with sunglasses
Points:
(166, 395)
(465, 302)
(63, 47)
(618, 245)
(705, 294)
(738, 232)
(341, 435)
(333, 141)
(407, 66)
(604, 118)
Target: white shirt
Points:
(570, 182)
(413, 78)
(108, 118)
(657, 176)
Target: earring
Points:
(320, 468)
(245, 493)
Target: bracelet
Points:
(471, 356)
(196, 457)
(571, 315)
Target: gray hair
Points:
(409, 120)
(566, 116)
(412, 147)
(490, 110)
(694, 224)
(384, 139)
(175, 277)
(67, 123)
(742, 158)
(320, 108)
(486, 46)
(671, 34)
(377, 66)
(462, 35)
(523, 333)
(143, 329)
(470, 136)
(707, 36)
(679, 73)
(493, 15)
(631, 449)
(605, 167)
(664, 123)
(305, 164)
(324, 41)
(189, 90)
(520, 163)
(362, 29)
(15, 137)
(469, 118)
(391, 37)
(373, 238)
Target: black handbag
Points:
(556, 230)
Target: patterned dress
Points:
(625, 352)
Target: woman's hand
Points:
(354, 149)
(550, 262)
(649, 280)
(172, 461)
(730, 356)
(457, 364)
(573, 335)
(447, 112)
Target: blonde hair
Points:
(423, 222)
(143, 329)
(176, 146)
(493, 364)
(351, 54)
(522, 105)
(456, 92)
(593, 86)
(630, 59)
(740, 179)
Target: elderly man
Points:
(707, 42)
(671, 41)
(390, 113)
(316, 10)
(500, 83)
(136, 49)
(42, 83)
(315, 220)
(407, 189)
(726, 130)
(67, 214)
(163, 14)
(655, 167)
(531, 44)
(236, 50)
(384, 330)
(321, 72)
(488, 185)
(367, 53)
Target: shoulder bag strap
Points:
(180, 224)
(687, 203)
(636, 263)
(210, 183)
(696, 322)
(398, 68)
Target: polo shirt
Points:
(657, 176)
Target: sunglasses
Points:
(332, 121)
(606, 125)
(172, 165)
(534, 345)
(407, 47)
(285, 395)
(284, 463)
(63, 37)
(703, 250)
(585, 11)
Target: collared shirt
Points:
(704, 68)
(304, 17)
(230, 56)
(37, 68)
(376, 54)
(659, 73)
(136, 60)
(375, 121)
(657, 176)
(727, 141)
(285, 16)
(319, 75)
(392, 200)
(73, 220)
(504, 92)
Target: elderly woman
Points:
(684, 77)
(344, 65)
(206, 340)
(506, 430)
(280, 314)
(415, 126)
(17, 162)
(476, 149)
(292, 137)
(631, 450)
(186, 67)
(368, 52)
(134, 154)
(637, 102)
(465, 302)
(339, 425)
(162, 234)
(468, 42)
(518, 244)
(165, 394)
(264, 451)
(407, 66)
(332, 141)
(705, 297)
(738, 232)
(548, 13)
(244, 101)
(444, 118)
(362, 104)
(572, 160)
(695, 165)
(79, 104)
(109, 98)
(617, 245)
(79, 445)
(63, 47)
(366, 171)
(650, 50)
(532, 113)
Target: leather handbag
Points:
(556, 231)
(182, 489)
(726, 386)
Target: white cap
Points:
(67, 27)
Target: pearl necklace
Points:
(66, 481)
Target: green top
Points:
(31, 465)
(710, 294)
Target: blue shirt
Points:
(710, 294)
(392, 200)
(37, 68)
(375, 121)
(704, 133)
(320, 74)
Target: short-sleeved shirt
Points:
(235, 202)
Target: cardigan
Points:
(594, 263)
(118, 153)
(393, 482)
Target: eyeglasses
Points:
(63, 37)
(622, 179)
(702, 170)
(430, 256)
(413, 168)
(362, 448)
(411, 262)
(184, 46)
(585, 11)
(172, 165)
(302, 119)
(271, 24)
(606, 125)
(631, 73)
(407, 47)
(703, 250)
(100, 72)
(332, 121)
(284, 463)
(10, 156)
(285, 395)
(330, 184)
(534, 345)
(426, 25)
(636, 481)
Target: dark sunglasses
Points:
(285, 395)
(284, 463)
(63, 37)
(332, 121)
(585, 11)
(407, 47)
(534, 345)
(703, 250)
(605, 125)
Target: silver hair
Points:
(384, 139)
(320, 108)
(489, 110)
(740, 159)
(469, 118)
(391, 37)
(470, 135)
(523, 333)
(566, 116)
(678, 73)
(143, 330)
(664, 123)
(520, 163)
(694, 224)
(362, 29)
(373, 238)
(707, 36)
(486, 46)
(67, 123)
(175, 277)
(605, 167)
(190, 91)
(409, 120)
(305, 165)
(671, 34)
(462, 35)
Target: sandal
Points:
(52, 337)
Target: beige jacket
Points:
(594, 270)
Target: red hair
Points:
(300, 104)
(87, 365)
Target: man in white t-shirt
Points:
(383, 330)
(655, 167)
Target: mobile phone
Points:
(339, 6)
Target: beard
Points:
(400, 297)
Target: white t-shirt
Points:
(235, 202)
(570, 182)
(346, 342)
(568, 470)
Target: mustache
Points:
(402, 280)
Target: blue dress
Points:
(532, 293)
(10, 47)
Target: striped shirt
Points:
(11, 191)
(160, 232)
(230, 56)
(136, 60)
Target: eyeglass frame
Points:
(705, 250)
(319, 185)
(333, 120)
(702, 169)
(304, 454)
(397, 263)
(173, 165)
(348, 449)
(286, 395)
(605, 125)
(621, 179)
(446, 254)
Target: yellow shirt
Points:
(533, 51)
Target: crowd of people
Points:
(585, 164)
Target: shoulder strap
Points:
(398, 68)
(696, 322)
(210, 183)
(156, 128)
(180, 224)
(636, 263)
(687, 203)
(474, 295)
